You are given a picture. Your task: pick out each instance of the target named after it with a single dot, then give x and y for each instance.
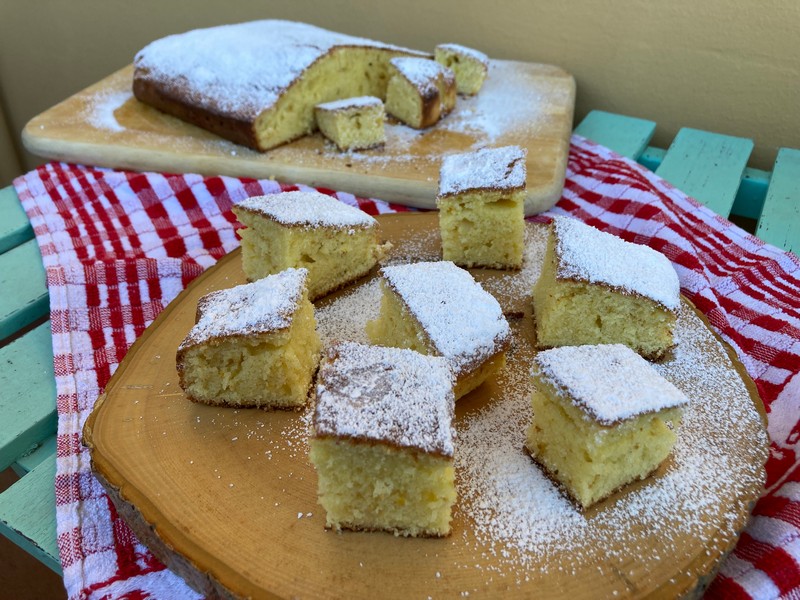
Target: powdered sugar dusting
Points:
(345, 318)
(102, 107)
(422, 73)
(464, 323)
(388, 395)
(358, 102)
(465, 51)
(309, 209)
(240, 69)
(591, 377)
(488, 168)
(519, 519)
(505, 107)
(588, 254)
(260, 307)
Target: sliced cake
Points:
(420, 91)
(335, 242)
(383, 440)
(481, 206)
(469, 66)
(596, 288)
(437, 308)
(602, 418)
(254, 345)
(353, 123)
(257, 83)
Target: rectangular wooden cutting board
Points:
(527, 104)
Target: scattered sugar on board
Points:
(520, 520)
(101, 107)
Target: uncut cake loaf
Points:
(253, 345)
(596, 288)
(602, 418)
(481, 206)
(335, 242)
(257, 83)
(470, 66)
(420, 91)
(382, 441)
(352, 123)
(437, 308)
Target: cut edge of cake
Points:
(599, 395)
(383, 440)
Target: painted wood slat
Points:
(28, 513)
(29, 461)
(780, 219)
(22, 279)
(707, 166)
(627, 136)
(14, 225)
(28, 399)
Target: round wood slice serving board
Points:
(227, 497)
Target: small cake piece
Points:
(596, 288)
(439, 309)
(481, 206)
(353, 123)
(383, 440)
(420, 91)
(335, 242)
(469, 66)
(602, 418)
(254, 345)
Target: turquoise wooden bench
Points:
(709, 166)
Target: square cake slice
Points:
(420, 91)
(335, 242)
(470, 66)
(353, 123)
(383, 440)
(603, 417)
(596, 288)
(481, 206)
(437, 308)
(253, 345)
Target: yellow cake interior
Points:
(570, 313)
(376, 486)
(354, 127)
(345, 72)
(469, 71)
(597, 459)
(333, 256)
(404, 102)
(397, 327)
(272, 370)
(483, 228)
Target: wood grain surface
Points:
(227, 498)
(527, 104)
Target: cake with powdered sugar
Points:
(382, 441)
(253, 345)
(257, 83)
(420, 91)
(602, 418)
(352, 123)
(470, 66)
(596, 288)
(335, 242)
(481, 206)
(438, 308)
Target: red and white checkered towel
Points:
(118, 246)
